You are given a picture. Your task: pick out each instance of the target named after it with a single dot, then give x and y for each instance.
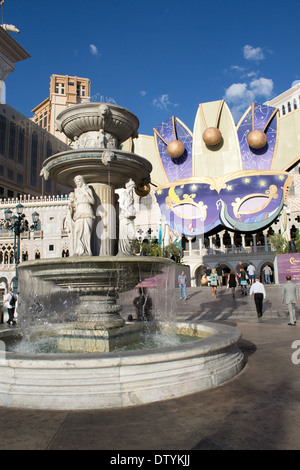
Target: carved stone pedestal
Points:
(98, 340)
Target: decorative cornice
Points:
(10, 48)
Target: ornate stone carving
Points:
(107, 156)
(94, 139)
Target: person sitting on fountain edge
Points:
(11, 298)
(143, 305)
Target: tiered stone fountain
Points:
(96, 166)
(93, 377)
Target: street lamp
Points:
(19, 225)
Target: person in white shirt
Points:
(251, 272)
(259, 295)
(11, 300)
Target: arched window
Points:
(295, 104)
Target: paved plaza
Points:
(259, 409)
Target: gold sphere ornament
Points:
(142, 190)
(175, 148)
(212, 136)
(257, 139)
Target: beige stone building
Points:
(64, 91)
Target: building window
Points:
(19, 178)
(21, 146)
(295, 104)
(10, 174)
(60, 88)
(12, 141)
(10, 194)
(289, 107)
(80, 90)
(1, 170)
(45, 120)
(283, 110)
(51, 247)
(34, 154)
(48, 149)
(2, 134)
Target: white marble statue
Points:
(127, 214)
(81, 204)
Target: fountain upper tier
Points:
(96, 131)
(85, 117)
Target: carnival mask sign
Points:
(288, 264)
(223, 175)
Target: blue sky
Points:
(157, 58)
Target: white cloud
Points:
(163, 102)
(143, 93)
(295, 82)
(262, 87)
(253, 53)
(238, 68)
(237, 92)
(241, 95)
(94, 49)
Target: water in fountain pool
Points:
(44, 307)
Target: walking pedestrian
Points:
(208, 273)
(232, 282)
(238, 272)
(11, 300)
(182, 279)
(290, 297)
(257, 289)
(244, 281)
(214, 283)
(220, 275)
(267, 272)
(251, 273)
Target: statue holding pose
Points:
(82, 213)
(127, 215)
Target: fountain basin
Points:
(121, 379)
